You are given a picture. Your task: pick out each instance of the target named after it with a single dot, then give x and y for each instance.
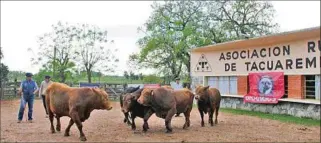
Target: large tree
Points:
(56, 48)
(93, 50)
(4, 70)
(1, 54)
(175, 27)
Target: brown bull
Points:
(208, 100)
(167, 103)
(168, 87)
(76, 103)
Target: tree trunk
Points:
(188, 66)
(62, 76)
(89, 75)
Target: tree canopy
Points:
(175, 27)
(69, 46)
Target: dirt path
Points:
(107, 126)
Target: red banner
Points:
(265, 87)
(152, 85)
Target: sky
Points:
(23, 21)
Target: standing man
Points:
(28, 89)
(177, 85)
(42, 90)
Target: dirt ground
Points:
(108, 126)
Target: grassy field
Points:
(279, 117)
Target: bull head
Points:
(129, 98)
(200, 92)
(143, 99)
(103, 100)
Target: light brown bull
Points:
(76, 103)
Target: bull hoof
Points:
(212, 124)
(202, 124)
(66, 134)
(144, 130)
(169, 131)
(185, 126)
(125, 120)
(216, 122)
(53, 131)
(83, 138)
(145, 127)
(58, 129)
(133, 128)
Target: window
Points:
(309, 88)
(226, 84)
(317, 87)
(286, 87)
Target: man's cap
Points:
(29, 74)
(47, 76)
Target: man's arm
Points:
(36, 88)
(20, 88)
(40, 89)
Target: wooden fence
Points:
(9, 90)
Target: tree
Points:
(131, 75)
(1, 53)
(19, 75)
(175, 27)
(141, 76)
(167, 30)
(126, 74)
(92, 51)
(152, 79)
(242, 18)
(56, 48)
(4, 70)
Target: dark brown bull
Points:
(208, 100)
(131, 105)
(76, 103)
(167, 103)
(121, 101)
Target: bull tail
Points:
(47, 100)
(192, 95)
(121, 100)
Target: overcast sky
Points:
(22, 22)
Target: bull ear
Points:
(151, 92)
(206, 87)
(96, 91)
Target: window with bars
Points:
(226, 84)
(286, 87)
(309, 87)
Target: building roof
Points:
(264, 40)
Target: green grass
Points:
(278, 117)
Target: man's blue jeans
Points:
(24, 100)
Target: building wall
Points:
(283, 107)
(292, 58)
